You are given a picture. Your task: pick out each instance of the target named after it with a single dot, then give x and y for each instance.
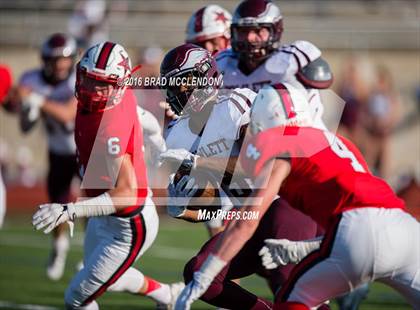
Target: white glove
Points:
(193, 291)
(181, 156)
(180, 194)
(51, 215)
(280, 252)
(200, 283)
(32, 104)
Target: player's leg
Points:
(134, 281)
(344, 262)
(60, 175)
(283, 222)
(398, 264)
(118, 243)
(225, 293)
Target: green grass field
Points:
(23, 254)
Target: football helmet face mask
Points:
(279, 105)
(256, 16)
(208, 24)
(185, 65)
(58, 54)
(100, 76)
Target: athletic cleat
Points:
(56, 264)
(176, 289)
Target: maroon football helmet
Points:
(184, 64)
(58, 46)
(255, 15)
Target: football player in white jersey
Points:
(202, 110)
(257, 58)
(209, 27)
(208, 135)
(49, 92)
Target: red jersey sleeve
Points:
(290, 143)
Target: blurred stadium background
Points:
(381, 39)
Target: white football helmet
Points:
(280, 105)
(207, 23)
(100, 76)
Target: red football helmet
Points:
(56, 47)
(101, 74)
(186, 63)
(254, 15)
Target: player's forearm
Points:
(62, 112)
(105, 204)
(234, 238)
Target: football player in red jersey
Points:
(369, 235)
(123, 222)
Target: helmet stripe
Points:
(286, 100)
(198, 23)
(104, 55)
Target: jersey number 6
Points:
(113, 146)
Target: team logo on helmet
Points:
(99, 76)
(193, 78)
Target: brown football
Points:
(207, 196)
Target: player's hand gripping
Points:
(180, 194)
(280, 252)
(51, 215)
(181, 156)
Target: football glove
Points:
(180, 194)
(280, 252)
(31, 106)
(200, 283)
(51, 215)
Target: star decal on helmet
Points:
(125, 63)
(221, 16)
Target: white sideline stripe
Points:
(11, 305)
(159, 251)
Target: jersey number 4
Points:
(341, 150)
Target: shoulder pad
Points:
(304, 52)
(316, 74)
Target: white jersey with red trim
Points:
(60, 135)
(221, 135)
(280, 67)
